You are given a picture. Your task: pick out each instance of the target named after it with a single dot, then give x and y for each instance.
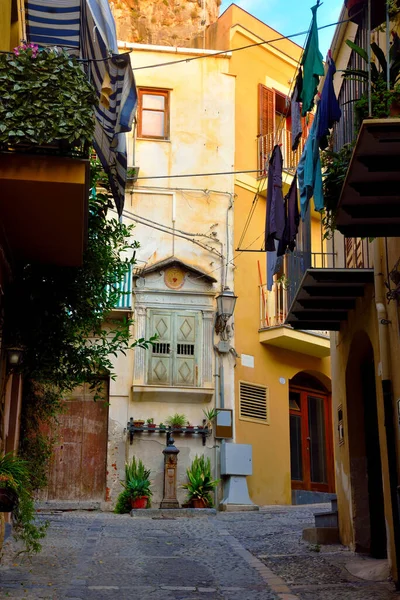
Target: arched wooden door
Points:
(311, 443)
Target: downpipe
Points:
(384, 345)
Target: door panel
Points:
(78, 466)
(310, 441)
(160, 363)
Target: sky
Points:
(292, 16)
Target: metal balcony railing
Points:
(265, 145)
(275, 304)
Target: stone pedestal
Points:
(170, 465)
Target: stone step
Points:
(326, 519)
(334, 505)
(321, 535)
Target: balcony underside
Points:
(325, 297)
(285, 337)
(43, 207)
(369, 205)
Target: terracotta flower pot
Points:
(198, 503)
(139, 502)
(8, 500)
(138, 423)
(353, 6)
(151, 425)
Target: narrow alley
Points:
(230, 556)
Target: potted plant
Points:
(210, 415)
(150, 423)
(16, 496)
(189, 427)
(176, 422)
(162, 427)
(200, 485)
(138, 422)
(47, 101)
(136, 491)
(385, 102)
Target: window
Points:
(173, 358)
(153, 114)
(253, 402)
(274, 127)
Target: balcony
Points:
(369, 205)
(324, 295)
(266, 145)
(274, 331)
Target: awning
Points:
(325, 297)
(369, 205)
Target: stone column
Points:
(170, 466)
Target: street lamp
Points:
(225, 307)
(14, 357)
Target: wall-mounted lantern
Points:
(15, 356)
(226, 302)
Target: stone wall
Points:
(163, 22)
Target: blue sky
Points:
(291, 16)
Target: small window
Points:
(253, 400)
(153, 114)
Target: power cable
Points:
(193, 175)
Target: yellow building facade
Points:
(277, 367)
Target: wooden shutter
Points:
(160, 355)
(185, 367)
(266, 110)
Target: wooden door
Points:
(78, 465)
(311, 444)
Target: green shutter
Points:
(160, 355)
(185, 359)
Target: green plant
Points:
(45, 96)
(382, 98)
(60, 315)
(14, 474)
(211, 414)
(200, 484)
(150, 421)
(335, 166)
(136, 485)
(176, 420)
(162, 426)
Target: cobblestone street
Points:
(231, 556)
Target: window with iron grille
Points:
(253, 402)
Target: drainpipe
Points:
(384, 352)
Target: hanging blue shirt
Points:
(329, 107)
(309, 172)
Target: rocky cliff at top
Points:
(163, 22)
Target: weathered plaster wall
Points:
(163, 22)
(201, 141)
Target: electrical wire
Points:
(193, 175)
(271, 42)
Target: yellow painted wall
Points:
(5, 24)
(274, 66)
(271, 482)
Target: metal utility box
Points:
(236, 459)
(224, 423)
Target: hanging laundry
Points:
(309, 170)
(329, 107)
(313, 66)
(275, 217)
(292, 220)
(295, 110)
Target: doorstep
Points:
(172, 513)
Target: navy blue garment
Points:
(329, 109)
(292, 220)
(275, 218)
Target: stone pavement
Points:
(231, 556)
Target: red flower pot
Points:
(151, 425)
(198, 503)
(353, 6)
(139, 502)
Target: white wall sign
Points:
(247, 360)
